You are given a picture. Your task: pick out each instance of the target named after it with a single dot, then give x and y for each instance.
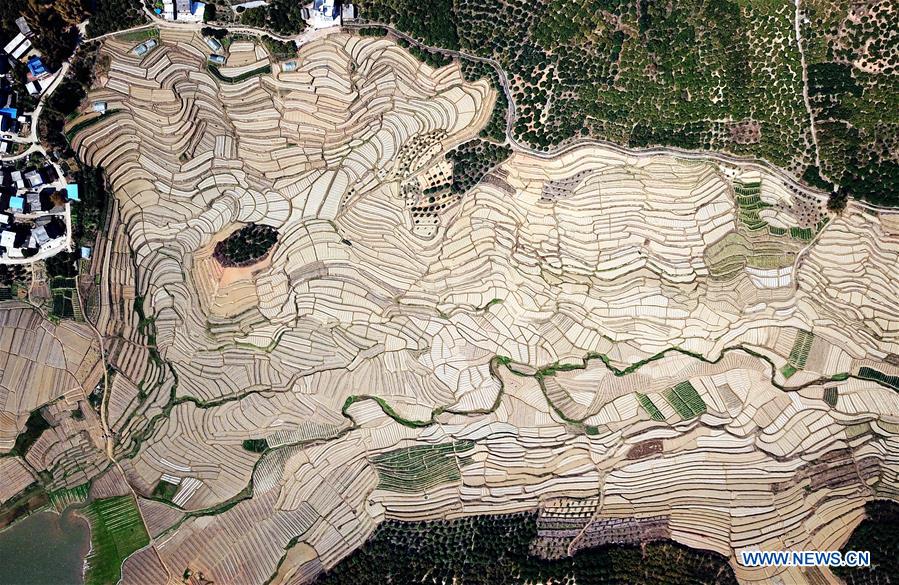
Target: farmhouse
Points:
(18, 46)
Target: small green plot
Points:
(799, 353)
(831, 395)
(685, 400)
(255, 445)
(746, 190)
(62, 304)
(804, 234)
(650, 408)
(165, 490)
(413, 469)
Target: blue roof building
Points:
(8, 120)
(36, 66)
(72, 192)
(17, 203)
(326, 7)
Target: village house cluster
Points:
(20, 49)
(35, 197)
(181, 10)
(327, 13)
(35, 212)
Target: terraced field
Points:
(593, 326)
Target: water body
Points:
(44, 549)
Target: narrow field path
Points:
(797, 26)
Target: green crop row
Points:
(685, 400)
(801, 347)
(216, 72)
(62, 498)
(872, 374)
(650, 408)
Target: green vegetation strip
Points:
(867, 373)
(216, 72)
(117, 530)
(139, 36)
(414, 469)
(388, 410)
(74, 130)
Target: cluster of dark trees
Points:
(433, 21)
(280, 49)
(650, 83)
(67, 98)
(566, 61)
(246, 246)
(282, 16)
(54, 23)
(255, 445)
(859, 157)
(879, 534)
(62, 265)
(494, 550)
(432, 58)
(11, 274)
(496, 127)
(90, 216)
(34, 426)
(472, 160)
(108, 16)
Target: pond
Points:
(45, 548)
